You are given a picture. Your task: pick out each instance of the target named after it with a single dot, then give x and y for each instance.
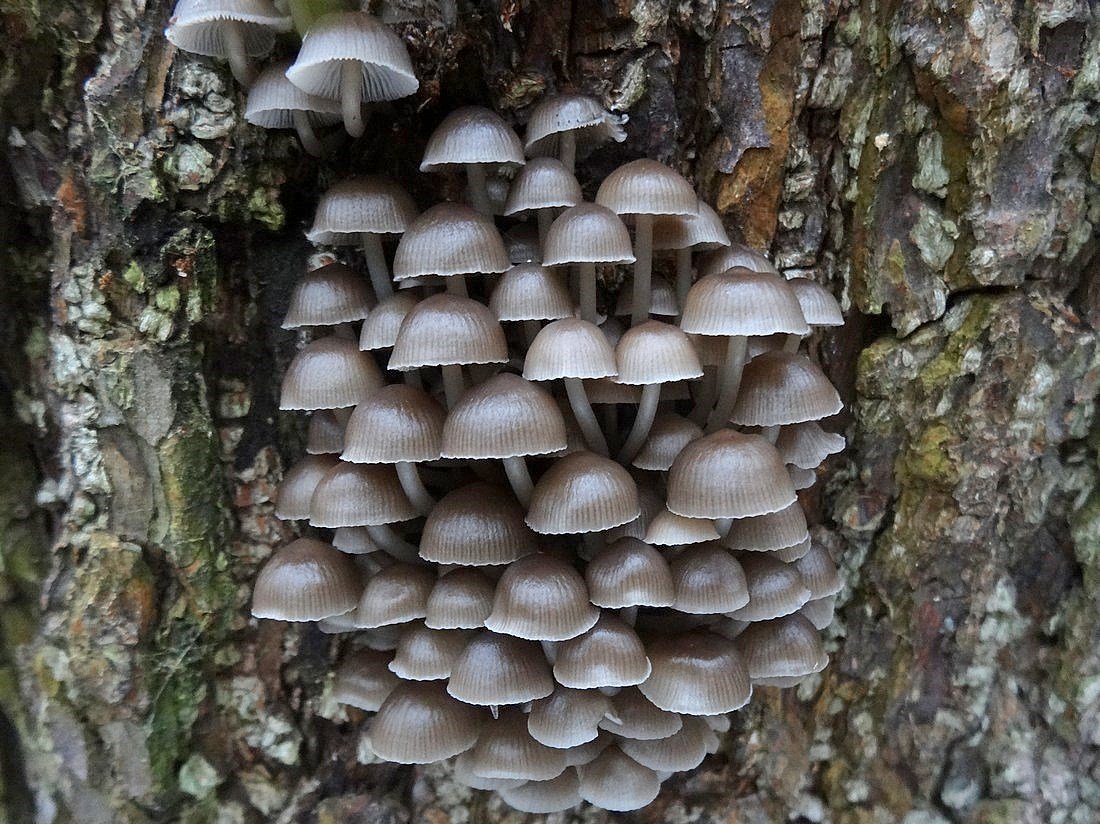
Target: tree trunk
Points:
(936, 164)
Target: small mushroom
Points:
(616, 782)
(419, 723)
(560, 122)
(450, 241)
(499, 669)
(236, 30)
(550, 796)
(276, 103)
(542, 186)
(329, 373)
(697, 673)
(306, 580)
(329, 296)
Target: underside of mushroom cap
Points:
(273, 100)
(579, 113)
(197, 26)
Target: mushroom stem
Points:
(610, 413)
(414, 487)
(683, 278)
(453, 383)
(544, 217)
(771, 433)
(586, 275)
(351, 97)
(233, 40)
(729, 382)
(412, 378)
(456, 285)
(705, 396)
(791, 343)
(520, 479)
(643, 268)
(306, 135)
(376, 265)
(550, 650)
(392, 543)
(593, 543)
(586, 418)
(479, 192)
(647, 411)
(567, 150)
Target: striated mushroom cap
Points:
(369, 204)
(582, 492)
(477, 525)
(742, 302)
(448, 330)
(587, 233)
(504, 417)
(529, 291)
(783, 388)
(396, 423)
(646, 187)
(578, 113)
(419, 723)
(541, 598)
(306, 580)
(329, 373)
(629, 573)
(500, 669)
(471, 134)
(697, 673)
(450, 239)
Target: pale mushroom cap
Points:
(196, 26)
(819, 612)
(354, 540)
(735, 256)
(697, 673)
(425, 654)
(646, 187)
(683, 750)
(464, 774)
(569, 348)
(450, 239)
(364, 680)
(554, 795)
(505, 749)
(448, 330)
(655, 352)
(587, 233)
(460, 599)
(610, 654)
(570, 112)
(544, 183)
(629, 573)
(472, 134)
(662, 299)
(775, 589)
(476, 525)
(784, 388)
(329, 373)
(668, 436)
(361, 205)
(742, 302)
(384, 321)
(669, 529)
(728, 475)
(616, 782)
(541, 598)
(806, 445)
(325, 435)
(703, 230)
(650, 503)
(359, 495)
(785, 647)
(500, 669)
(387, 71)
(306, 580)
(568, 717)
(635, 716)
(419, 723)
(529, 291)
(789, 554)
(583, 492)
(298, 484)
(766, 533)
(394, 595)
(327, 296)
(801, 478)
(708, 580)
(273, 100)
(818, 304)
(504, 417)
(396, 423)
(818, 572)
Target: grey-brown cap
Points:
(616, 782)
(530, 291)
(696, 673)
(806, 445)
(708, 580)
(359, 495)
(394, 595)
(818, 572)
(801, 478)
(668, 436)
(477, 525)
(550, 796)
(450, 239)
(364, 680)
(297, 487)
(702, 230)
(650, 503)
(325, 435)
(742, 302)
(683, 750)
(471, 134)
(354, 540)
(582, 492)
(504, 417)
(780, 388)
(655, 352)
(775, 589)
(789, 554)
(662, 299)
(568, 717)
(629, 573)
(500, 669)
(425, 654)
(646, 187)
(464, 774)
(579, 113)
(384, 321)
(818, 305)
(505, 749)
(734, 256)
(669, 529)
(327, 296)
(610, 654)
(460, 599)
(787, 647)
(419, 723)
(635, 716)
(273, 101)
(448, 330)
(306, 580)
(361, 205)
(329, 373)
(541, 598)
(396, 423)
(587, 233)
(819, 612)
(766, 533)
(198, 26)
(544, 183)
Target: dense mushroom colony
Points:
(563, 545)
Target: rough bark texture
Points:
(936, 163)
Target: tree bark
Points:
(935, 164)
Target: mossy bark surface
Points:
(935, 163)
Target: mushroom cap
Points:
(504, 417)
(662, 300)
(582, 492)
(650, 504)
(325, 435)
(298, 484)
(396, 423)
(541, 598)
(669, 529)
(544, 183)
(306, 580)
(708, 580)
(781, 388)
(471, 134)
(419, 723)
(646, 187)
(697, 673)
(476, 525)
(742, 302)
(329, 373)
(338, 37)
(635, 716)
(448, 330)
(728, 475)
(554, 795)
(450, 239)
(568, 717)
(530, 291)
(587, 233)
(766, 533)
(425, 654)
(569, 348)
(735, 256)
(801, 478)
(775, 589)
(789, 554)
(354, 540)
(197, 26)
(784, 648)
(464, 774)
(273, 100)
(818, 572)
(384, 321)
(460, 599)
(361, 205)
(685, 749)
(806, 445)
(610, 654)
(818, 304)
(819, 612)
(364, 680)
(578, 113)
(703, 230)
(395, 595)
(359, 495)
(629, 573)
(655, 352)
(668, 436)
(616, 782)
(500, 669)
(327, 296)
(505, 749)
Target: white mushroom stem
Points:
(520, 479)
(376, 265)
(233, 40)
(351, 97)
(643, 421)
(453, 383)
(729, 382)
(791, 343)
(456, 285)
(567, 149)
(643, 268)
(586, 276)
(544, 217)
(414, 487)
(683, 277)
(392, 543)
(586, 418)
(479, 192)
(306, 134)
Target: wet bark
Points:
(936, 164)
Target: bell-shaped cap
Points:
(325, 435)
(569, 348)
(327, 296)
(789, 554)
(500, 669)
(450, 239)
(787, 647)
(476, 525)
(359, 495)
(505, 749)
(708, 580)
(683, 750)
(703, 230)
(635, 716)
(586, 753)
(587, 233)
(504, 417)
(306, 580)
(460, 599)
(419, 723)
(779, 388)
(662, 299)
(364, 680)
(629, 573)
(199, 26)
(581, 114)
(818, 305)
(819, 612)
(697, 673)
(361, 205)
(297, 487)
(801, 478)
(742, 302)
(273, 101)
(668, 436)
(775, 589)
(766, 533)
(448, 330)
(464, 774)
(646, 187)
(669, 529)
(329, 373)
(530, 291)
(551, 796)
(735, 256)
(541, 598)
(471, 134)
(544, 183)
(728, 475)
(608, 655)
(806, 445)
(354, 540)
(650, 503)
(384, 321)
(341, 37)
(655, 352)
(616, 782)
(568, 717)
(394, 595)
(818, 572)
(396, 423)
(582, 492)
(428, 654)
